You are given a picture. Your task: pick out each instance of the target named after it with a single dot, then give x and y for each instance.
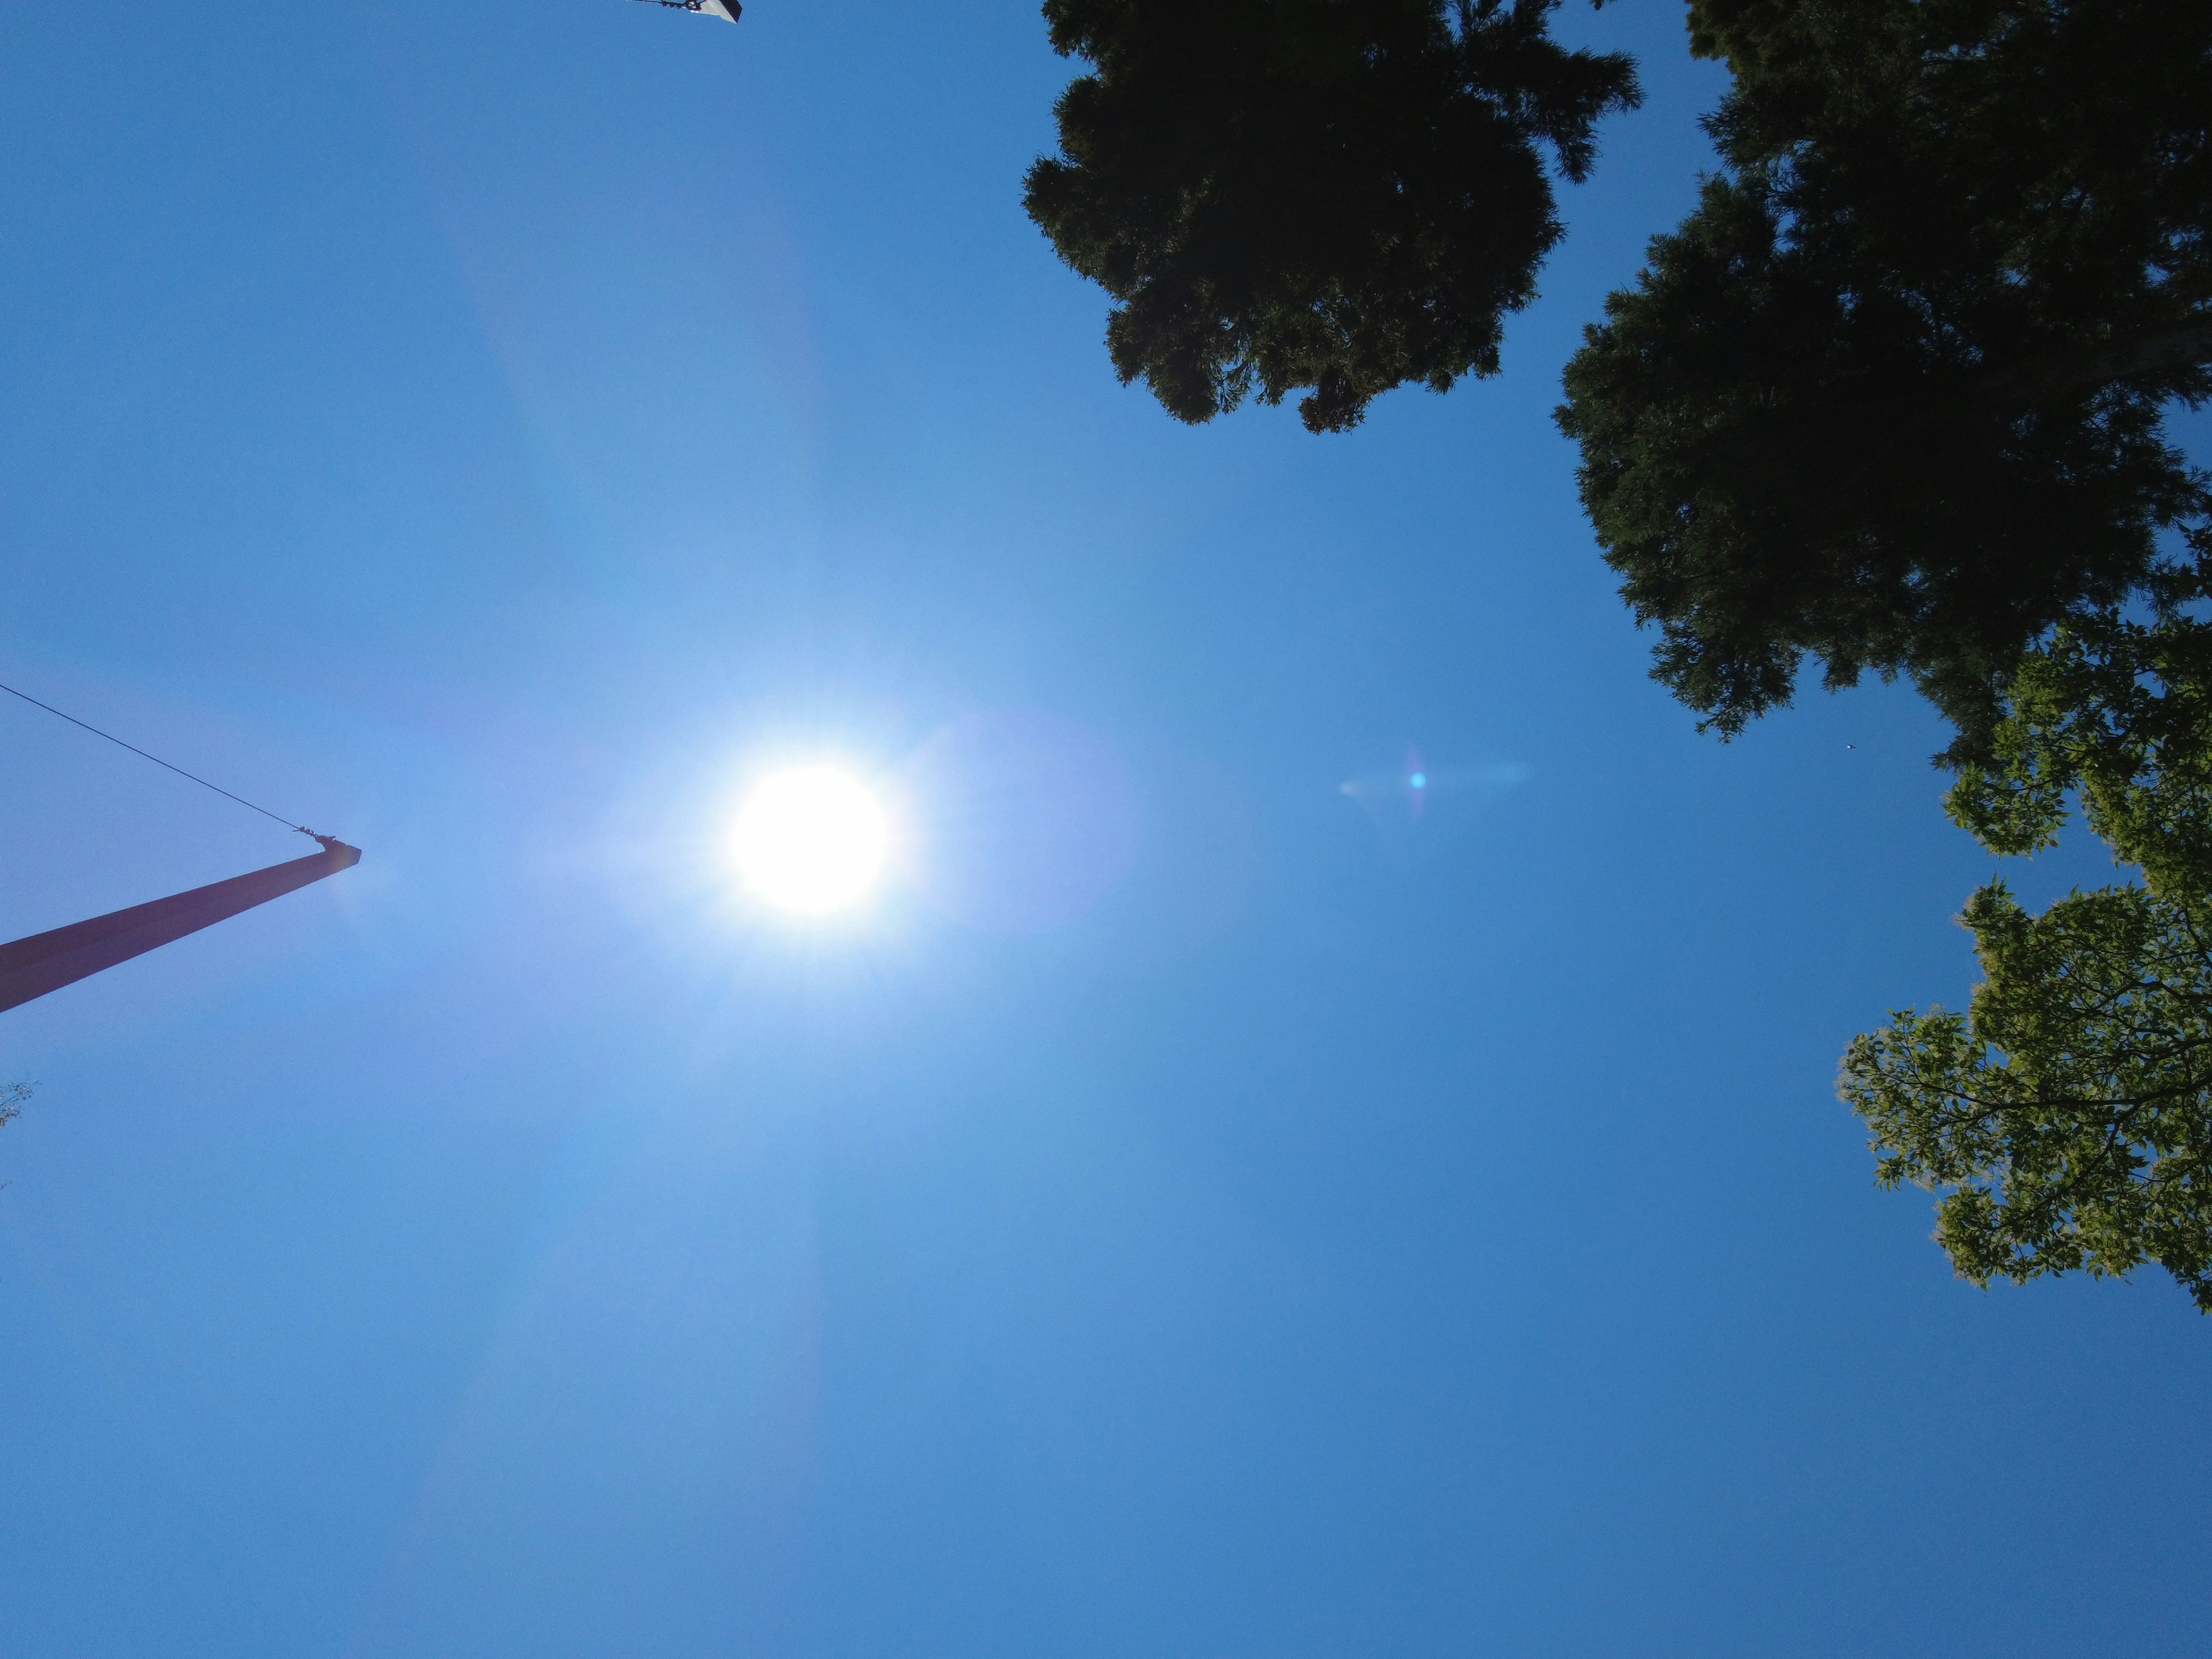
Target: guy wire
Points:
(157, 760)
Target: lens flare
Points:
(810, 839)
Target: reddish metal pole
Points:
(46, 962)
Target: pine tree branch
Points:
(2188, 345)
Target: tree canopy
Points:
(1338, 195)
(2067, 1116)
(1893, 395)
(1893, 398)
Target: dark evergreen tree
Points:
(1893, 395)
(1339, 195)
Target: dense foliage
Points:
(1339, 195)
(2067, 1116)
(1893, 394)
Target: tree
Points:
(12, 1097)
(1340, 195)
(2067, 1117)
(1893, 395)
(1893, 398)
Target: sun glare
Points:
(810, 839)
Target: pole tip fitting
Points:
(347, 856)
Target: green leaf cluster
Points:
(1893, 396)
(1337, 195)
(2067, 1116)
(2114, 709)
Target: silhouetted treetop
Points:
(1893, 394)
(1338, 195)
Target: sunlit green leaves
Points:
(2067, 1116)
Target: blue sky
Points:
(490, 432)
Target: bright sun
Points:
(810, 839)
